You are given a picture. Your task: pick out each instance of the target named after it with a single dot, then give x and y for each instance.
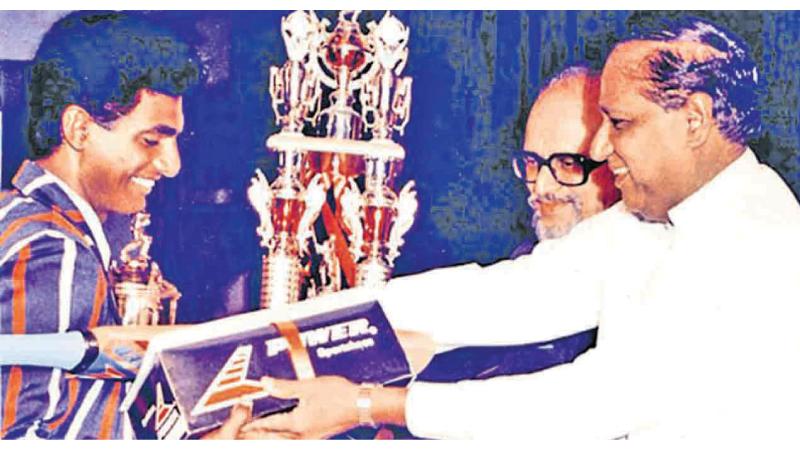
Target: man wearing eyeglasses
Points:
(565, 185)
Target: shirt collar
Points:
(35, 181)
(717, 196)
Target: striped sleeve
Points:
(48, 283)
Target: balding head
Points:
(565, 115)
(564, 119)
(696, 56)
(679, 106)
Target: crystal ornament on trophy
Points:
(139, 286)
(339, 100)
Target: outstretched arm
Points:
(590, 398)
(104, 352)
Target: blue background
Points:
(475, 75)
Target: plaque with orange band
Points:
(191, 378)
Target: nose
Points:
(545, 182)
(601, 147)
(168, 161)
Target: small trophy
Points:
(287, 211)
(139, 286)
(377, 220)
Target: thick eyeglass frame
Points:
(521, 158)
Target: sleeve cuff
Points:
(438, 411)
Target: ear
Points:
(700, 117)
(75, 123)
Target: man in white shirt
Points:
(565, 187)
(689, 282)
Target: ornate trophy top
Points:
(346, 46)
(345, 76)
(136, 254)
(300, 30)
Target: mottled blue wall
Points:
(475, 74)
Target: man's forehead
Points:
(561, 119)
(158, 112)
(632, 58)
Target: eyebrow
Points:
(162, 130)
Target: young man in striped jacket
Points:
(105, 111)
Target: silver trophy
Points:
(378, 219)
(140, 289)
(287, 211)
(344, 85)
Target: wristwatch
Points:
(90, 352)
(364, 404)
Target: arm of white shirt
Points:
(589, 398)
(37, 349)
(553, 292)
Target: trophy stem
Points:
(372, 273)
(280, 280)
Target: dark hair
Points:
(100, 61)
(731, 79)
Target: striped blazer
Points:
(53, 278)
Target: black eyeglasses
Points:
(568, 169)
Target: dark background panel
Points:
(475, 74)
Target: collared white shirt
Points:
(697, 323)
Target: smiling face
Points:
(120, 163)
(563, 120)
(646, 145)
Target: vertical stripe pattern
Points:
(99, 298)
(109, 413)
(10, 401)
(64, 309)
(72, 396)
(54, 280)
(86, 405)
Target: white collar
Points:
(89, 215)
(717, 196)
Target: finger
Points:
(281, 422)
(281, 388)
(267, 435)
(240, 415)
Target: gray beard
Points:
(555, 231)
